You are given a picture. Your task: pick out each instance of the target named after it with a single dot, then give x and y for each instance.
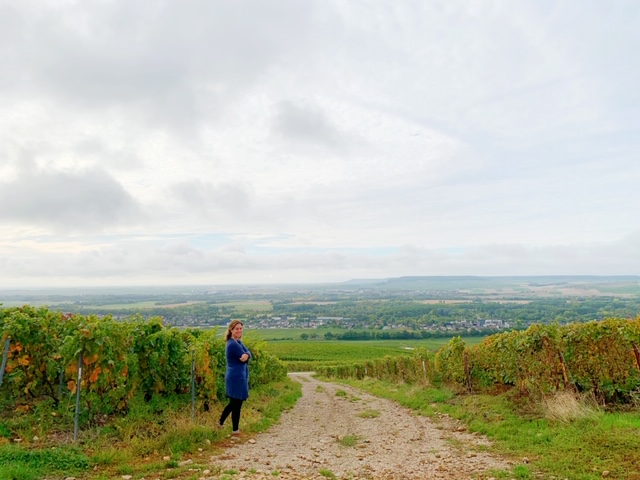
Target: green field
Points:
(302, 355)
(242, 306)
(21, 303)
(288, 333)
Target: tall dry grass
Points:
(568, 406)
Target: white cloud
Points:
(316, 140)
(71, 201)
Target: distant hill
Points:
(620, 284)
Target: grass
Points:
(153, 439)
(369, 413)
(349, 440)
(326, 473)
(19, 472)
(249, 306)
(23, 464)
(568, 407)
(559, 437)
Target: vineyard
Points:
(99, 364)
(601, 357)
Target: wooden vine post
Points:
(467, 372)
(424, 369)
(77, 413)
(5, 355)
(193, 383)
(565, 372)
(637, 354)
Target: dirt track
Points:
(391, 442)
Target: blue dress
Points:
(236, 378)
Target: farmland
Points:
(304, 355)
(396, 308)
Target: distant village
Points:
(273, 322)
(347, 323)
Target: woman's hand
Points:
(244, 357)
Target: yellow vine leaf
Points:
(71, 386)
(89, 359)
(24, 361)
(71, 369)
(94, 376)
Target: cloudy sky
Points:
(252, 141)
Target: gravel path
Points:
(387, 442)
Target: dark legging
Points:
(233, 408)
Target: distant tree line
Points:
(402, 334)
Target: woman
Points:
(236, 378)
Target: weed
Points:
(275, 473)
(124, 470)
(499, 474)
(369, 413)
(521, 471)
(349, 440)
(4, 431)
(109, 456)
(326, 473)
(341, 393)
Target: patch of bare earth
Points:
(336, 431)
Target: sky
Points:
(246, 142)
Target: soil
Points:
(335, 431)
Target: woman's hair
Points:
(231, 326)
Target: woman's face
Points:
(236, 333)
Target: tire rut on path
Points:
(391, 442)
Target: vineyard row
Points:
(602, 357)
(43, 351)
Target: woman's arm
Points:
(239, 351)
(246, 356)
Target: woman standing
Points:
(236, 378)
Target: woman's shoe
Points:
(235, 432)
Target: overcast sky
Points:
(223, 142)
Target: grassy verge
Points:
(563, 437)
(157, 438)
